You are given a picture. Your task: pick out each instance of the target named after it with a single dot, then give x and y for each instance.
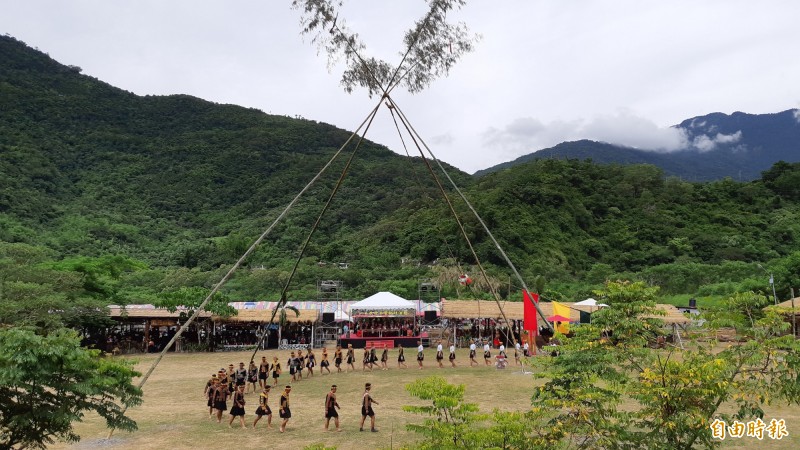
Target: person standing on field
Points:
(285, 413)
(366, 408)
(237, 410)
(331, 405)
(263, 407)
(472, 349)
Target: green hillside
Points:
(110, 197)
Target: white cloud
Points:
(442, 139)
(705, 143)
(525, 135)
(797, 115)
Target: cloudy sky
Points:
(620, 71)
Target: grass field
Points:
(174, 413)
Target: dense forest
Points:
(109, 197)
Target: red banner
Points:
(529, 311)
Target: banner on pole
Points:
(529, 311)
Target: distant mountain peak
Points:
(717, 145)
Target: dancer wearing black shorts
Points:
(337, 358)
(439, 354)
(237, 410)
(472, 349)
(241, 375)
(420, 354)
(276, 370)
(263, 407)
(252, 375)
(263, 370)
(311, 361)
(401, 358)
(292, 368)
(384, 358)
(221, 394)
(366, 361)
(209, 393)
(366, 408)
(373, 357)
(324, 364)
(452, 356)
(285, 413)
(351, 357)
(331, 405)
(231, 378)
(299, 364)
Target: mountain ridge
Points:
(737, 145)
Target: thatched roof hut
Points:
(473, 309)
(264, 315)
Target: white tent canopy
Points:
(383, 301)
(341, 316)
(589, 302)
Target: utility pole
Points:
(771, 282)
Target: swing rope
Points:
(436, 179)
(283, 297)
(474, 212)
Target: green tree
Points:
(450, 421)
(453, 424)
(50, 382)
(676, 392)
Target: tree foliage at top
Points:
(432, 46)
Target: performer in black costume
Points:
(351, 357)
(285, 413)
(221, 400)
(209, 393)
(276, 370)
(263, 370)
(401, 358)
(311, 361)
(252, 375)
(263, 407)
(324, 364)
(384, 358)
(337, 358)
(366, 408)
(237, 410)
(331, 405)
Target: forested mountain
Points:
(90, 169)
(110, 196)
(739, 146)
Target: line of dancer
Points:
(218, 394)
(232, 384)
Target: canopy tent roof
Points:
(472, 309)
(341, 316)
(589, 302)
(558, 318)
(383, 301)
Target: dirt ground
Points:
(174, 413)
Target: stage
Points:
(381, 342)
